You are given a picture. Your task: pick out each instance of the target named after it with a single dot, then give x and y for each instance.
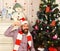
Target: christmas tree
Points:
(46, 30)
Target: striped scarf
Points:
(19, 38)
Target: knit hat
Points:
(23, 21)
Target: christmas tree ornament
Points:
(36, 27)
(48, 41)
(47, 27)
(55, 36)
(52, 49)
(18, 12)
(41, 28)
(47, 9)
(53, 23)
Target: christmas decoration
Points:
(4, 13)
(55, 36)
(53, 23)
(9, 12)
(47, 29)
(36, 27)
(16, 6)
(52, 48)
(18, 12)
(48, 9)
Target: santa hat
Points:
(23, 21)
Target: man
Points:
(21, 37)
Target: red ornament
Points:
(23, 19)
(47, 9)
(52, 49)
(53, 23)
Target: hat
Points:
(23, 21)
(16, 6)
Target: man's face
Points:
(25, 28)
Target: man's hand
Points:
(16, 23)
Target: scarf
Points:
(19, 38)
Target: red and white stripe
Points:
(19, 38)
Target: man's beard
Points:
(25, 31)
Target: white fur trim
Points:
(16, 47)
(23, 22)
(19, 36)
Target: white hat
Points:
(23, 21)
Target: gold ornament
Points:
(48, 41)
